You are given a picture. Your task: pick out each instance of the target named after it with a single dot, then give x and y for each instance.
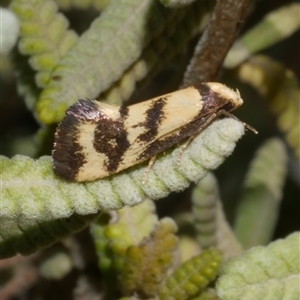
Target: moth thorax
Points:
(227, 94)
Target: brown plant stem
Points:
(223, 27)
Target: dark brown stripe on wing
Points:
(110, 138)
(173, 139)
(124, 112)
(68, 154)
(212, 103)
(153, 118)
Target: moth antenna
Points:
(247, 126)
(229, 115)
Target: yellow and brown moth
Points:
(96, 140)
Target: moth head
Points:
(226, 95)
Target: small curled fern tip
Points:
(146, 265)
(276, 26)
(191, 277)
(266, 273)
(258, 209)
(44, 35)
(33, 196)
(114, 41)
(279, 86)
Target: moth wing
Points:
(156, 124)
(96, 139)
(74, 154)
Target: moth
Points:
(96, 140)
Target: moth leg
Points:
(203, 126)
(150, 164)
(183, 147)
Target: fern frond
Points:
(26, 84)
(204, 200)
(211, 226)
(101, 242)
(208, 294)
(9, 31)
(227, 241)
(131, 226)
(136, 246)
(280, 88)
(106, 258)
(188, 246)
(259, 205)
(176, 3)
(146, 265)
(44, 35)
(191, 277)
(275, 26)
(113, 42)
(161, 50)
(128, 226)
(32, 196)
(271, 272)
(56, 266)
